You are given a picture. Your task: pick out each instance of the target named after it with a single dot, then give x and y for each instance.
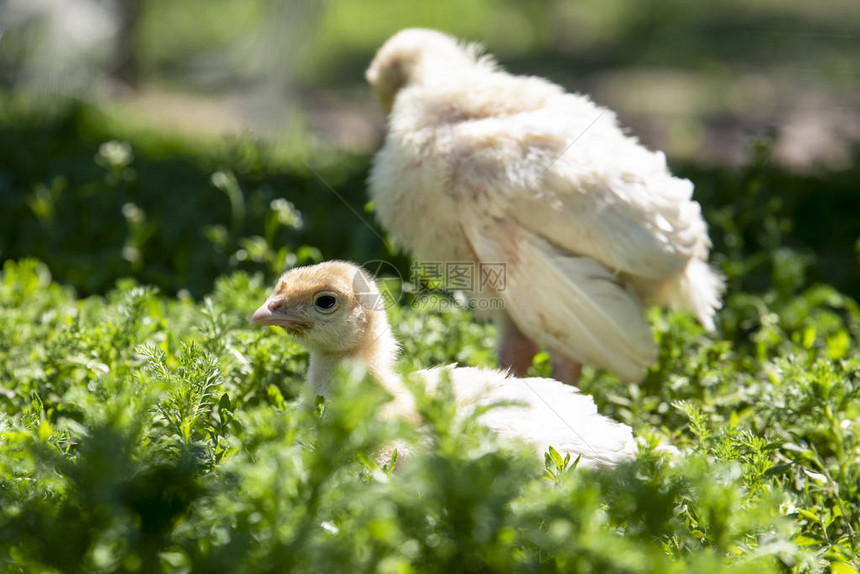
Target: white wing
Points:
(575, 208)
(568, 174)
(572, 305)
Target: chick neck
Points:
(376, 353)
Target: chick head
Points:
(404, 59)
(332, 307)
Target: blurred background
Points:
(174, 140)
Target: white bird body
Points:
(542, 412)
(482, 166)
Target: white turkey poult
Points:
(482, 166)
(334, 309)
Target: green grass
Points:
(144, 433)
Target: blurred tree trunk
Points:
(126, 67)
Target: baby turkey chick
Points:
(482, 166)
(334, 309)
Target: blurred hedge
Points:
(165, 210)
(97, 200)
(756, 212)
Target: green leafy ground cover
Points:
(143, 430)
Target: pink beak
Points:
(263, 315)
(271, 313)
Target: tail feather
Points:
(697, 289)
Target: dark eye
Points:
(325, 301)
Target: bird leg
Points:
(516, 351)
(566, 370)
